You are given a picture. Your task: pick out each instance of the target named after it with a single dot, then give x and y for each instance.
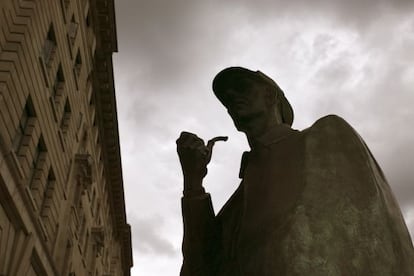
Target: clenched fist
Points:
(194, 157)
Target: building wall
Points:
(62, 208)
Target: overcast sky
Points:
(352, 58)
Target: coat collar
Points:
(273, 135)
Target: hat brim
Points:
(227, 77)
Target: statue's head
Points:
(247, 94)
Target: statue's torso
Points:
(314, 203)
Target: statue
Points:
(310, 202)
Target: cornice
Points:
(106, 25)
(103, 85)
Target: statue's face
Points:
(246, 101)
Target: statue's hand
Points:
(194, 157)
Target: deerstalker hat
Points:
(229, 76)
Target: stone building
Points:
(62, 208)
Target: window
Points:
(79, 121)
(49, 208)
(27, 113)
(85, 245)
(68, 251)
(73, 29)
(98, 234)
(59, 83)
(38, 160)
(77, 67)
(65, 3)
(67, 111)
(38, 171)
(82, 232)
(49, 47)
(36, 266)
(93, 202)
(57, 93)
(78, 63)
(98, 214)
(88, 19)
(89, 88)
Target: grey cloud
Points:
(398, 162)
(379, 105)
(173, 34)
(170, 51)
(146, 236)
(165, 33)
(409, 217)
(355, 14)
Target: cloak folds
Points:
(311, 202)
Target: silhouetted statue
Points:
(311, 202)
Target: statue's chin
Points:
(251, 124)
(245, 124)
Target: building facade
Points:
(62, 207)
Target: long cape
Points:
(345, 220)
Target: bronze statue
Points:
(311, 202)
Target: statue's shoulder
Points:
(331, 126)
(331, 121)
(332, 134)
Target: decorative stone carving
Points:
(84, 170)
(98, 235)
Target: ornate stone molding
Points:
(84, 169)
(106, 115)
(98, 235)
